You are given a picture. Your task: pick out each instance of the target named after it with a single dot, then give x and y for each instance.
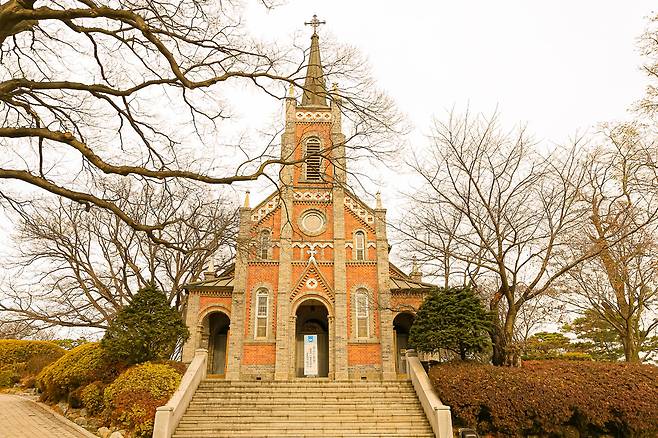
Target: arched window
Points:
(360, 245)
(262, 312)
(264, 245)
(361, 304)
(313, 163)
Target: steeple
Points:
(315, 90)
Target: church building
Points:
(312, 292)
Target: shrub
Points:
(76, 368)
(146, 329)
(543, 397)
(41, 353)
(135, 395)
(8, 377)
(91, 397)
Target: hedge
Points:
(14, 351)
(22, 359)
(77, 368)
(131, 400)
(545, 397)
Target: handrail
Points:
(168, 416)
(437, 413)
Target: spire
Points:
(315, 90)
(246, 199)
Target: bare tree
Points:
(500, 211)
(620, 285)
(649, 49)
(77, 268)
(127, 88)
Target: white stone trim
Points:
(312, 196)
(360, 210)
(313, 116)
(260, 212)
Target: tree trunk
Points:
(631, 345)
(505, 352)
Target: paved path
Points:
(23, 418)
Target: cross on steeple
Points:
(315, 23)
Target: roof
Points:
(401, 282)
(223, 280)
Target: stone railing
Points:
(437, 413)
(168, 416)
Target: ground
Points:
(24, 418)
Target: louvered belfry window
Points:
(313, 162)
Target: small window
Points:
(361, 313)
(264, 246)
(314, 162)
(262, 311)
(360, 245)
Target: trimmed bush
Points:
(544, 397)
(8, 378)
(133, 397)
(14, 351)
(91, 397)
(78, 367)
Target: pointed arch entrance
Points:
(401, 326)
(216, 327)
(312, 339)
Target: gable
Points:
(265, 208)
(313, 281)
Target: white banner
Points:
(310, 355)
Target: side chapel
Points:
(312, 292)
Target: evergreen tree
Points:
(146, 329)
(451, 319)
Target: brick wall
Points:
(258, 354)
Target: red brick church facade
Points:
(312, 259)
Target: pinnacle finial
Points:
(378, 198)
(291, 91)
(246, 199)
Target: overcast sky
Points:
(561, 66)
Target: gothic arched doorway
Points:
(218, 328)
(312, 340)
(401, 326)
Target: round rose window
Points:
(313, 221)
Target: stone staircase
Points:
(304, 408)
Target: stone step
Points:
(302, 425)
(197, 418)
(296, 411)
(303, 384)
(301, 391)
(304, 409)
(309, 433)
(291, 400)
(403, 405)
(307, 429)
